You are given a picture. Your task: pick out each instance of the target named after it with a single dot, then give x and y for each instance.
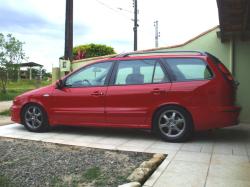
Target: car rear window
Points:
(188, 69)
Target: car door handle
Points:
(97, 93)
(157, 91)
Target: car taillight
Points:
(227, 74)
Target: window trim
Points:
(115, 71)
(152, 80)
(106, 82)
(166, 73)
(172, 76)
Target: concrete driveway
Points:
(212, 158)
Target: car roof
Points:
(163, 52)
(153, 55)
(159, 54)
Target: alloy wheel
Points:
(172, 123)
(33, 117)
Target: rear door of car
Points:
(136, 87)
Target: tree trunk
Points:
(3, 79)
(4, 91)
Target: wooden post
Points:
(68, 50)
(30, 73)
(18, 74)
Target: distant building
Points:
(27, 74)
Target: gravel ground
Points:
(27, 163)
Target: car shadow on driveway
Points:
(237, 135)
(230, 135)
(110, 132)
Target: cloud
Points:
(29, 23)
(11, 19)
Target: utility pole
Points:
(68, 50)
(135, 24)
(157, 34)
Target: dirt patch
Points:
(4, 105)
(28, 163)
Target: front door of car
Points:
(137, 86)
(81, 100)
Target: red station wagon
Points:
(173, 93)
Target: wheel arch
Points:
(32, 103)
(171, 105)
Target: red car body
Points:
(210, 102)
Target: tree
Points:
(91, 50)
(11, 55)
(46, 75)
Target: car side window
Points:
(92, 75)
(134, 72)
(140, 72)
(187, 69)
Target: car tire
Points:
(34, 118)
(173, 124)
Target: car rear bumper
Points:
(228, 115)
(15, 113)
(215, 117)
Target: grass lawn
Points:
(5, 113)
(17, 88)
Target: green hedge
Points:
(93, 50)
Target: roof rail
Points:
(157, 52)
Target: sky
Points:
(40, 24)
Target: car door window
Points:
(188, 69)
(135, 72)
(92, 75)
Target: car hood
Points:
(39, 91)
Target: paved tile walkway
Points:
(214, 158)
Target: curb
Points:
(144, 171)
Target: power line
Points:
(135, 20)
(113, 9)
(124, 10)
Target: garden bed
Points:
(28, 163)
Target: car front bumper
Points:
(16, 113)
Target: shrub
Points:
(91, 50)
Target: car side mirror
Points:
(59, 84)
